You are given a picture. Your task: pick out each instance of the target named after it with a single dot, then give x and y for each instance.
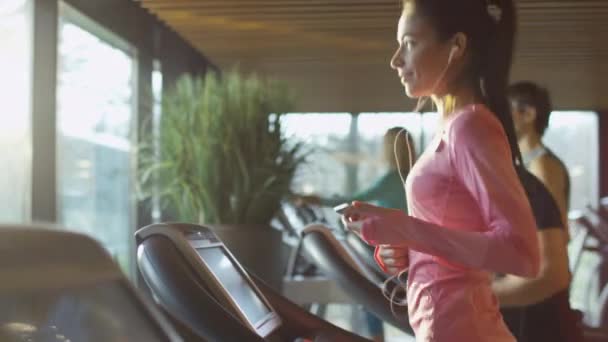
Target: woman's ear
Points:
(459, 46)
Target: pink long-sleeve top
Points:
(471, 219)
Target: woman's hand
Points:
(394, 258)
(376, 225)
(361, 210)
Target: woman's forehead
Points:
(411, 24)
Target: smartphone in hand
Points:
(354, 226)
(340, 209)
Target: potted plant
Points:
(221, 159)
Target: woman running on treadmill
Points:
(534, 309)
(470, 217)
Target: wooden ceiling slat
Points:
(261, 6)
(313, 25)
(312, 41)
(532, 4)
(236, 3)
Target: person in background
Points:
(530, 109)
(538, 309)
(387, 191)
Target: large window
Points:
(573, 136)
(15, 116)
(326, 137)
(157, 97)
(95, 121)
(340, 143)
(337, 144)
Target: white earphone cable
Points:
(400, 285)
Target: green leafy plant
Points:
(221, 155)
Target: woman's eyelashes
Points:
(408, 44)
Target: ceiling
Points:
(335, 53)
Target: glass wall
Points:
(338, 142)
(95, 121)
(573, 136)
(15, 116)
(326, 138)
(157, 97)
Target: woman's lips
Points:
(405, 78)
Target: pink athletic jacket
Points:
(470, 218)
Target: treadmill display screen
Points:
(235, 284)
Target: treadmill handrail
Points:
(366, 256)
(330, 259)
(329, 236)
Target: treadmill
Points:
(342, 257)
(351, 265)
(63, 286)
(196, 279)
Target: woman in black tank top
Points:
(544, 151)
(530, 110)
(550, 319)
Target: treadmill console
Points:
(221, 274)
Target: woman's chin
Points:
(411, 92)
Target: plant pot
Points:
(259, 248)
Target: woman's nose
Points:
(396, 60)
